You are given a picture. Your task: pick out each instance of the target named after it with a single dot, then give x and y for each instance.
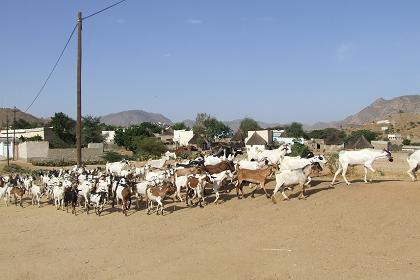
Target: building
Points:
(45, 133)
(383, 122)
(255, 141)
(358, 143)
(109, 136)
(394, 137)
(4, 146)
(182, 137)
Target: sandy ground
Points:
(365, 231)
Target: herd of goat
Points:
(190, 179)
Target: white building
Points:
(108, 136)
(3, 148)
(383, 122)
(182, 137)
(394, 137)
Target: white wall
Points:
(33, 149)
(182, 137)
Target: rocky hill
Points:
(8, 112)
(380, 109)
(131, 117)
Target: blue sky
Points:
(275, 61)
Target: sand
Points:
(365, 231)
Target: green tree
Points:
(295, 130)
(179, 126)
(150, 147)
(22, 124)
(209, 128)
(369, 135)
(129, 137)
(91, 130)
(64, 127)
(299, 149)
(248, 124)
(326, 133)
(406, 142)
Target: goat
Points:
(217, 168)
(36, 193)
(17, 192)
(70, 198)
(157, 194)
(195, 188)
(99, 200)
(258, 177)
(414, 164)
(364, 157)
(122, 192)
(292, 163)
(288, 178)
(218, 180)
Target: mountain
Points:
(8, 112)
(380, 109)
(131, 117)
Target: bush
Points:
(14, 168)
(112, 156)
(332, 162)
(60, 163)
(299, 149)
(151, 147)
(406, 142)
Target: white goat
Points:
(414, 164)
(289, 178)
(291, 163)
(36, 193)
(218, 180)
(364, 157)
(251, 165)
(212, 160)
(157, 163)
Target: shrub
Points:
(150, 147)
(406, 142)
(332, 162)
(299, 149)
(112, 156)
(14, 168)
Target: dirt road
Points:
(357, 232)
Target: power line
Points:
(51, 72)
(100, 11)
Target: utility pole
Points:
(7, 139)
(14, 132)
(79, 90)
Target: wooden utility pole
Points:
(79, 90)
(7, 140)
(14, 132)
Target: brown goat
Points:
(195, 188)
(257, 177)
(17, 193)
(126, 199)
(157, 194)
(220, 167)
(187, 171)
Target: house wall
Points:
(32, 149)
(182, 137)
(3, 149)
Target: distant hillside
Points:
(234, 125)
(8, 112)
(131, 117)
(380, 109)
